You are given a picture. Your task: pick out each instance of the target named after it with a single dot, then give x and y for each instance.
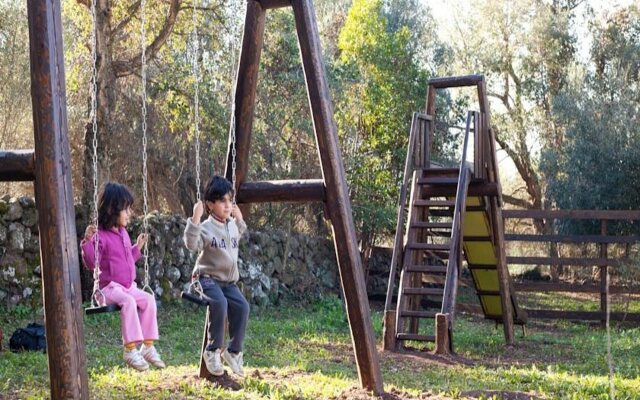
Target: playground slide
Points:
(482, 255)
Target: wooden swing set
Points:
(48, 165)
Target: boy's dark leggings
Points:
(225, 301)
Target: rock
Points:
(265, 281)
(14, 212)
(258, 296)
(26, 202)
(173, 274)
(3, 233)
(8, 273)
(180, 255)
(26, 292)
(15, 299)
(16, 236)
(254, 271)
(4, 207)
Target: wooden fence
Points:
(604, 260)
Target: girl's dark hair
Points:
(113, 199)
(217, 188)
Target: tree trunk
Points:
(106, 85)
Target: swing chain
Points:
(143, 75)
(232, 126)
(196, 100)
(97, 297)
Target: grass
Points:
(304, 352)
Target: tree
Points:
(115, 60)
(169, 91)
(600, 110)
(382, 81)
(16, 129)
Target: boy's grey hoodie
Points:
(218, 247)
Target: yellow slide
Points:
(482, 259)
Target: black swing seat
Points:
(193, 298)
(102, 309)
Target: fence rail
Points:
(603, 260)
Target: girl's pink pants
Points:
(138, 312)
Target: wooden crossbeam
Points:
(572, 238)
(573, 214)
(455, 81)
(17, 166)
(306, 190)
(269, 4)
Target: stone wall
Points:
(272, 264)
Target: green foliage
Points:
(15, 102)
(382, 84)
(599, 165)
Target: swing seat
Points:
(193, 298)
(102, 309)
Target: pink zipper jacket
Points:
(116, 254)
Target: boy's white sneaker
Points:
(151, 356)
(135, 360)
(234, 361)
(213, 362)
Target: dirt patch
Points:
(500, 394)
(361, 394)
(172, 382)
(421, 358)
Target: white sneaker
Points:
(213, 362)
(151, 356)
(135, 360)
(234, 361)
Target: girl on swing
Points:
(117, 257)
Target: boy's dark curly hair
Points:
(217, 188)
(113, 199)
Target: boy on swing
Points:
(216, 239)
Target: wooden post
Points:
(204, 372)
(443, 341)
(339, 207)
(389, 331)
(54, 200)
(604, 276)
(245, 96)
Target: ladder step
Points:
(441, 171)
(427, 246)
(418, 314)
(477, 238)
(487, 292)
(438, 180)
(427, 269)
(434, 203)
(423, 291)
(482, 266)
(439, 212)
(413, 336)
(436, 225)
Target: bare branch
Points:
(133, 10)
(124, 68)
(516, 201)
